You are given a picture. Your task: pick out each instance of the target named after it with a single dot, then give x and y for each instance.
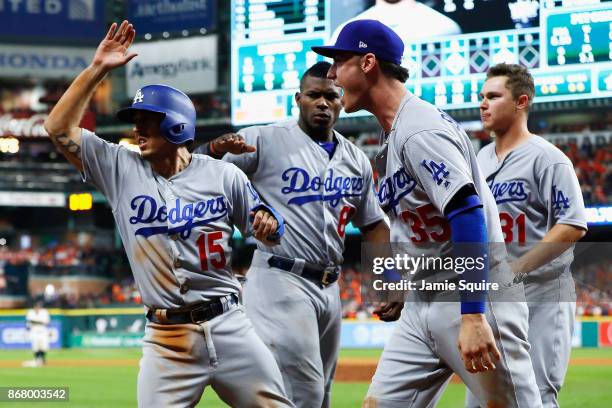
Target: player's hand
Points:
(231, 143)
(264, 225)
(112, 51)
(390, 311)
(476, 343)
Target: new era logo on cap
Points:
(366, 36)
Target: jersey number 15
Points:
(211, 251)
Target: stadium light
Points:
(80, 202)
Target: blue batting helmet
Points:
(178, 125)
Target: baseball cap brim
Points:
(127, 114)
(330, 51)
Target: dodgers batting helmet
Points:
(178, 125)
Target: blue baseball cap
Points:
(364, 36)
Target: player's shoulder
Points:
(418, 119)
(350, 148)
(272, 129)
(87, 136)
(547, 154)
(486, 152)
(220, 169)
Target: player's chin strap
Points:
(280, 230)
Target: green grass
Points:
(97, 387)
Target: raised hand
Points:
(112, 51)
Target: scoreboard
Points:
(567, 45)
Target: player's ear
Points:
(368, 62)
(298, 97)
(522, 103)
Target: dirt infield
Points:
(349, 369)
(362, 369)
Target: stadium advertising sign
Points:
(43, 62)
(365, 334)
(76, 19)
(32, 199)
(107, 340)
(605, 334)
(189, 64)
(155, 16)
(15, 335)
(31, 126)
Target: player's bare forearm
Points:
(62, 125)
(555, 242)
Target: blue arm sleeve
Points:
(280, 230)
(469, 233)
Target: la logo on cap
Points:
(362, 44)
(139, 97)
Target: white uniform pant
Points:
(300, 322)
(551, 325)
(180, 360)
(40, 339)
(421, 356)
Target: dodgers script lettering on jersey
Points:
(332, 188)
(393, 189)
(317, 195)
(185, 217)
(512, 190)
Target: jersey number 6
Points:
(211, 251)
(345, 215)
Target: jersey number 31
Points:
(508, 223)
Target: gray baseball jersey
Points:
(427, 159)
(535, 187)
(175, 231)
(298, 320)
(290, 170)
(176, 234)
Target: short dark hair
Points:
(318, 70)
(391, 70)
(519, 82)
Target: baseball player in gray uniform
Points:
(542, 214)
(319, 181)
(175, 213)
(433, 191)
